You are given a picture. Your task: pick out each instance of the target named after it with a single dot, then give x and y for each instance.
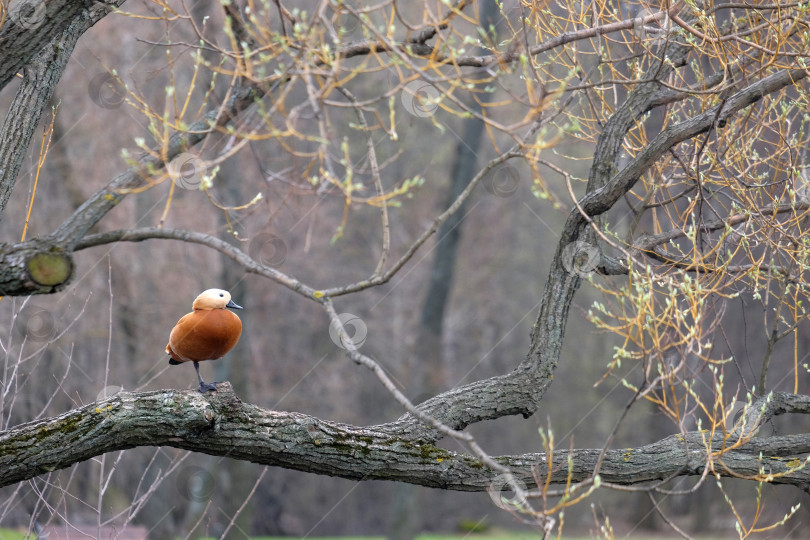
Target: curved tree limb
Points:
(229, 250)
(535, 373)
(601, 198)
(220, 424)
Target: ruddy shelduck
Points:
(207, 333)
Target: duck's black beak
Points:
(233, 305)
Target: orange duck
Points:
(207, 333)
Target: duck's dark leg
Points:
(204, 386)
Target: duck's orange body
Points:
(204, 335)
(207, 333)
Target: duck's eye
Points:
(221, 295)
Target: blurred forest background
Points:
(107, 330)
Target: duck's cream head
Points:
(215, 299)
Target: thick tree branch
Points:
(535, 373)
(220, 424)
(36, 90)
(38, 266)
(35, 24)
(601, 198)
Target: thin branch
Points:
(648, 242)
(375, 175)
(666, 519)
(229, 250)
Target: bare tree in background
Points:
(670, 140)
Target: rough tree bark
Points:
(221, 424)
